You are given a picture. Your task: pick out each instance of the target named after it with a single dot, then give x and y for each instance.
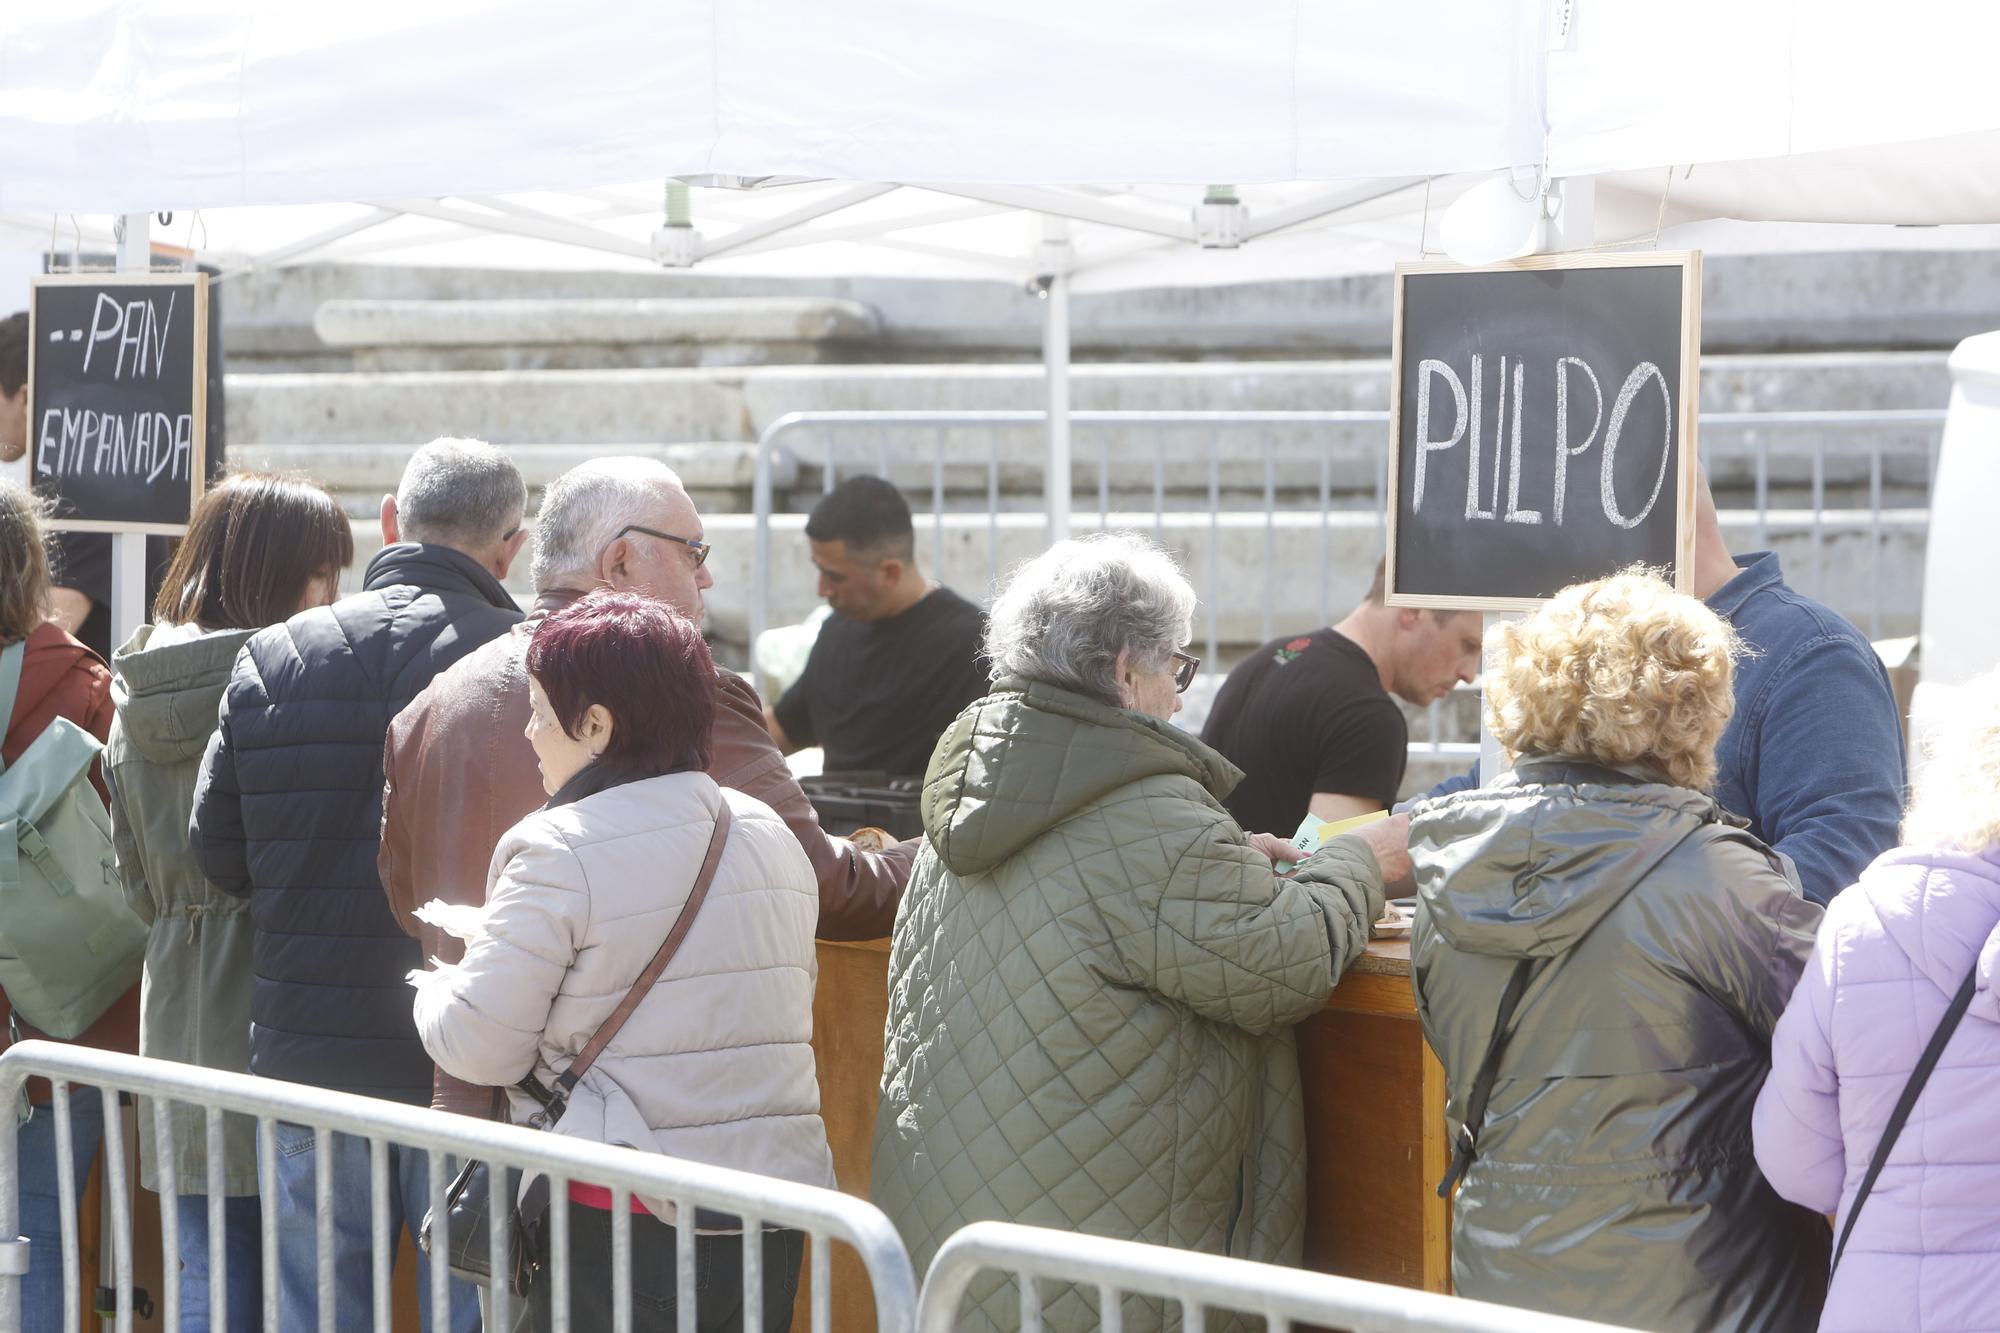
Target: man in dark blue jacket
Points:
(288, 813)
(1814, 755)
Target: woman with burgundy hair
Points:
(715, 1063)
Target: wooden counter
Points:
(1374, 1097)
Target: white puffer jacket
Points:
(716, 1063)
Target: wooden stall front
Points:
(1374, 1099)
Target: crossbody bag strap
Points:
(11, 659)
(1907, 1102)
(567, 1080)
(1474, 1118)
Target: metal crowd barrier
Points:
(1239, 447)
(823, 1215)
(1197, 1283)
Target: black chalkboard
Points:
(1543, 426)
(117, 398)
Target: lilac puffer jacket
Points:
(1891, 953)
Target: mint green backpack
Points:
(69, 946)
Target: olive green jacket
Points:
(1614, 1178)
(195, 1003)
(1092, 988)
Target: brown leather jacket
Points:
(459, 772)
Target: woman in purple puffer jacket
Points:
(1892, 951)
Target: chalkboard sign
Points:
(117, 401)
(1543, 426)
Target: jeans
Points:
(718, 1270)
(353, 1259)
(242, 1258)
(41, 1207)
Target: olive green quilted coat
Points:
(1091, 993)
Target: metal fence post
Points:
(14, 1255)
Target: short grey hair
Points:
(465, 494)
(1064, 616)
(583, 509)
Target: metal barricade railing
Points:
(1197, 1283)
(824, 1216)
(850, 439)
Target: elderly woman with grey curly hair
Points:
(1600, 954)
(1095, 972)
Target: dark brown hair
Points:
(13, 353)
(24, 564)
(255, 543)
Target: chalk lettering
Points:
(1563, 451)
(1426, 446)
(1472, 509)
(160, 336)
(1516, 514)
(99, 330)
(1634, 382)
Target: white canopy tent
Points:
(1042, 141)
(485, 114)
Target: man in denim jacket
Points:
(1813, 757)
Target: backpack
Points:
(69, 945)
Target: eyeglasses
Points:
(1185, 665)
(700, 549)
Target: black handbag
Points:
(467, 1248)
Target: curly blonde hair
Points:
(1957, 799)
(1624, 670)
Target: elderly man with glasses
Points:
(460, 771)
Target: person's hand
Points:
(1276, 848)
(1389, 840)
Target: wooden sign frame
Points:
(1687, 411)
(197, 283)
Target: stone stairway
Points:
(340, 373)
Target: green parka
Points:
(1092, 988)
(1614, 1179)
(195, 1003)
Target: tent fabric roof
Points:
(115, 106)
(486, 131)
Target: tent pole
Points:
(1571, 209)
(1055, 364)
(128, 549)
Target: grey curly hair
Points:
(1063, 617)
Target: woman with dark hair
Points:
(715, 1063)
(259, 549)
(59, 678)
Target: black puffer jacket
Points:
(288, 813)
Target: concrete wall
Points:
(1882, 300)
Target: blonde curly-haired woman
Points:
(1600, 954)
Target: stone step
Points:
(557, 332)
(717, 473)
(606, 407)
(1317, 570)
(1771, 302)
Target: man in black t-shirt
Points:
(898, 659)
(1309, 719)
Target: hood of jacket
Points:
(437, 569)
(1941, 907)
(1029, 756)
(167, 697)
(1525, 868)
